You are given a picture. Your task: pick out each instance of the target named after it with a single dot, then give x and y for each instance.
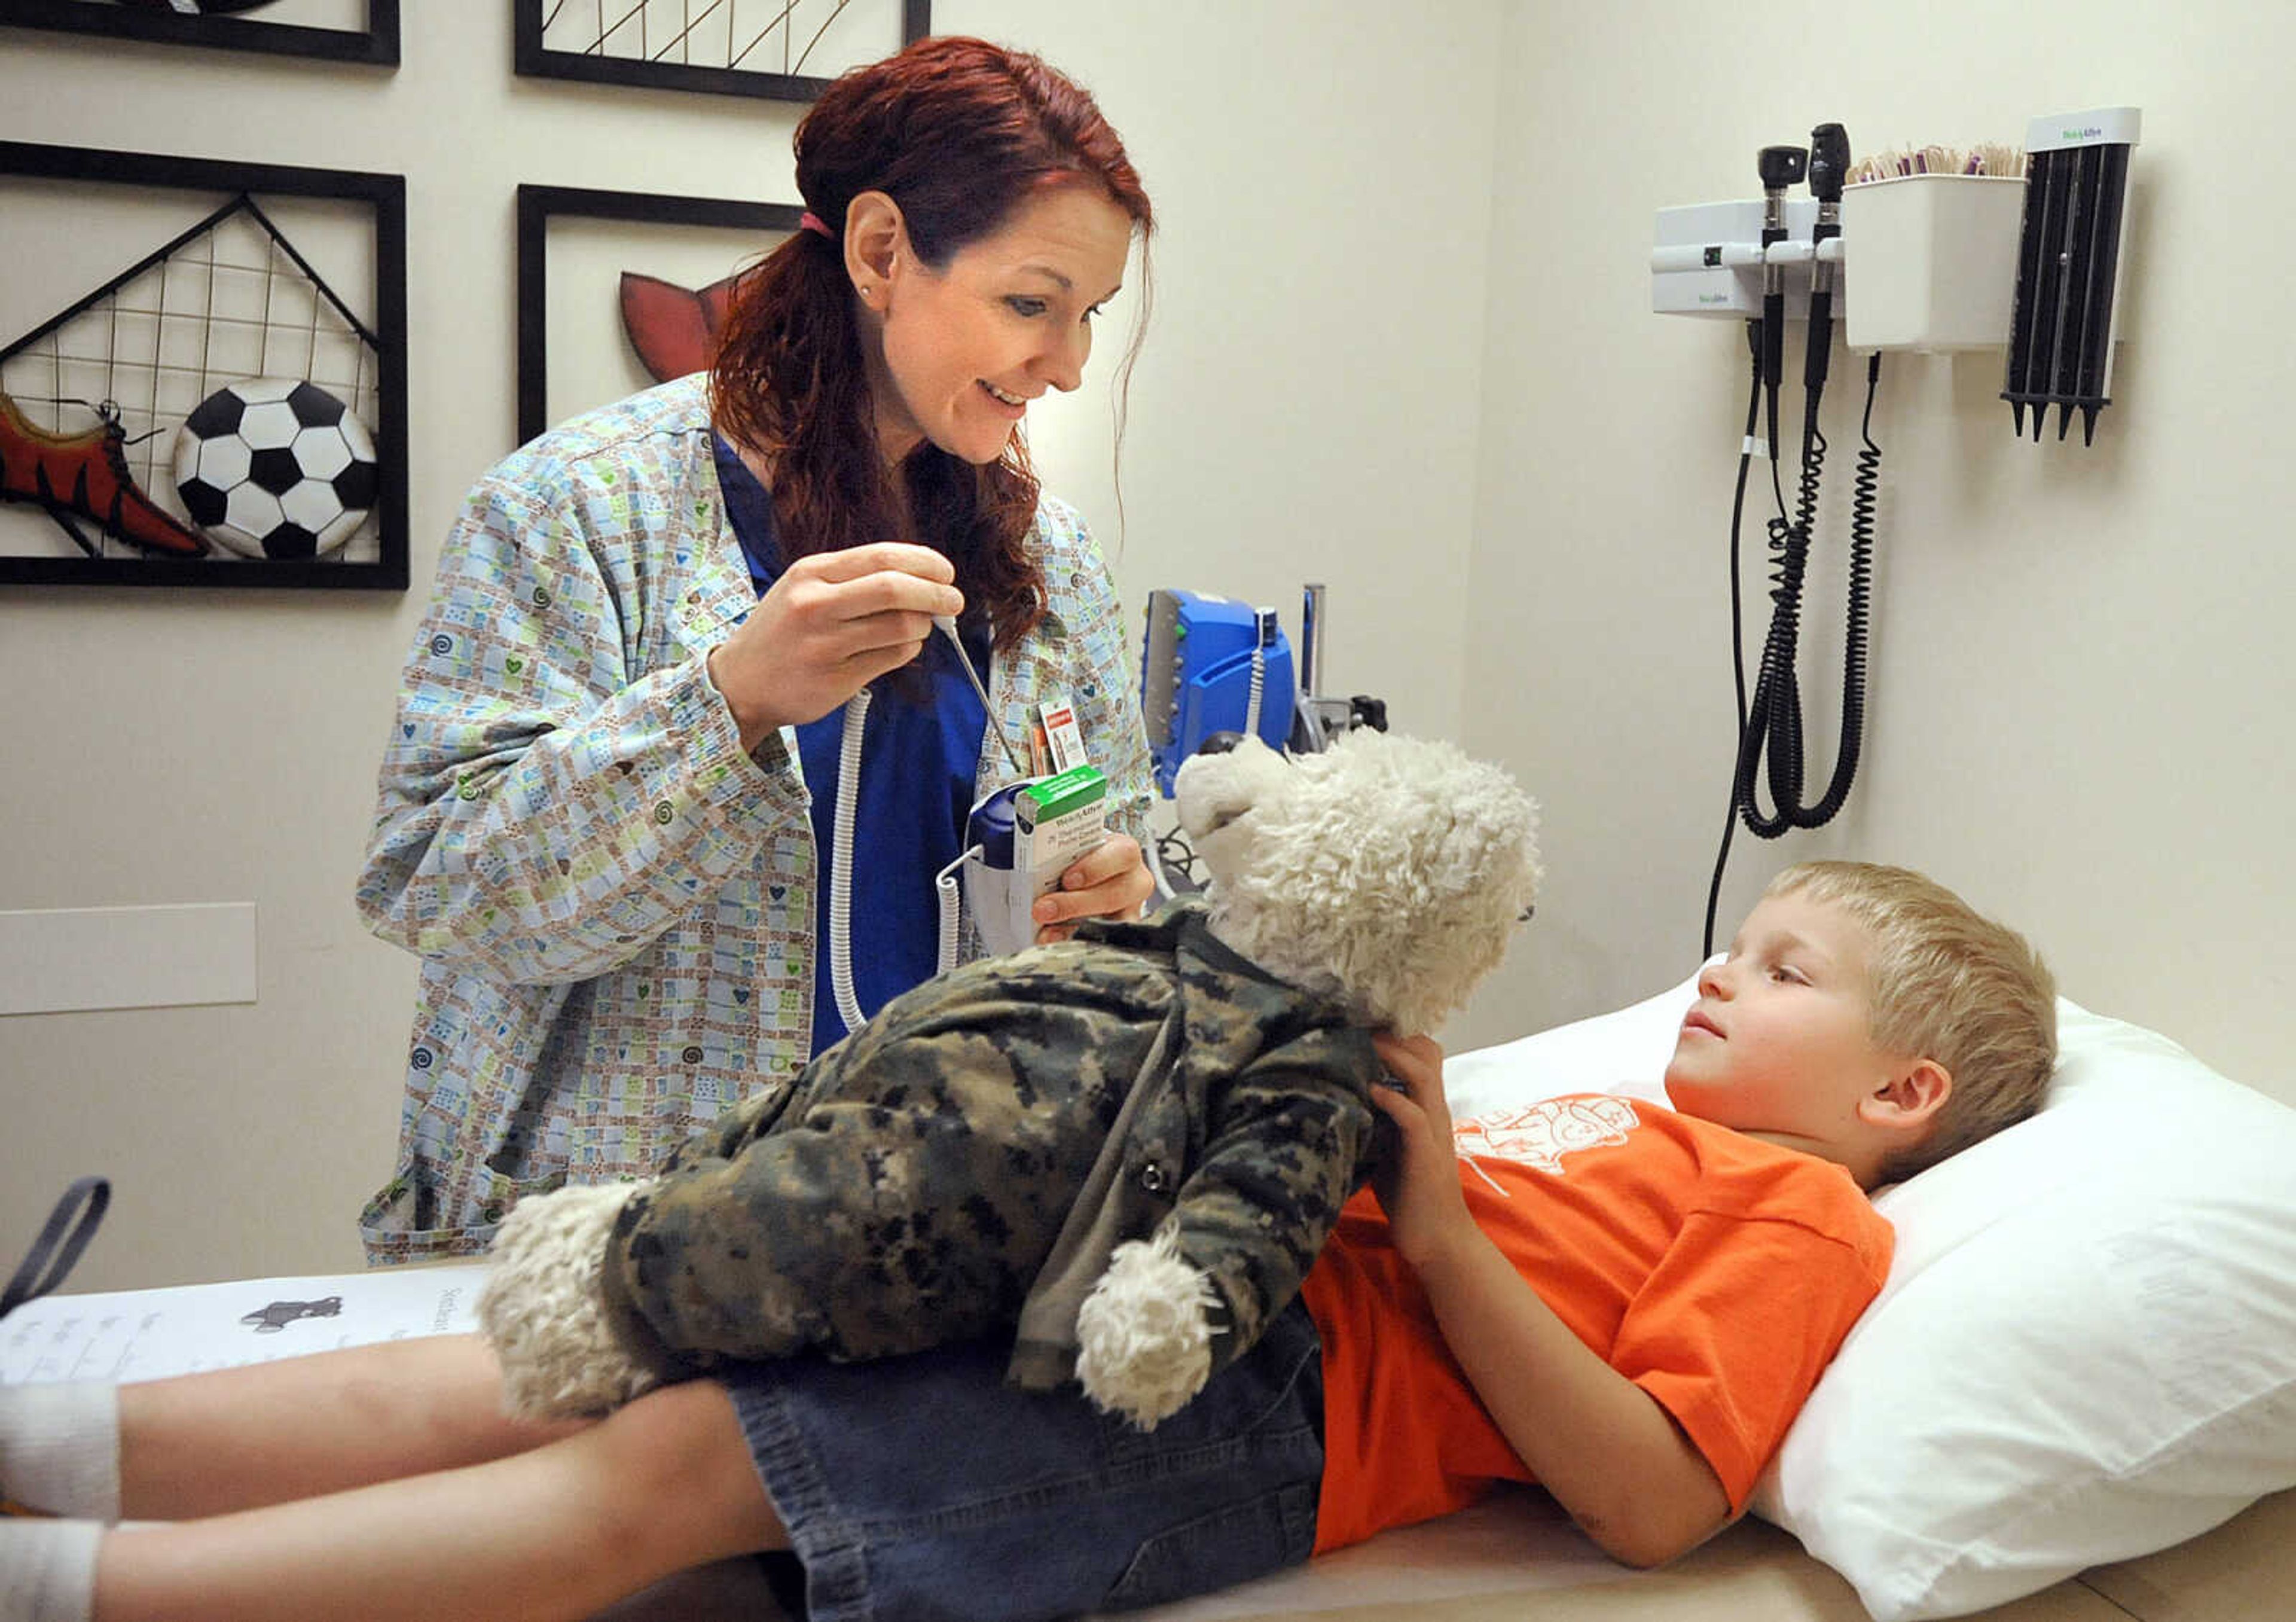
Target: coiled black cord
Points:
(1772, 723)
(1178, 857)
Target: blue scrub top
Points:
(919, 755)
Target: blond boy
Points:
(1866, 1019)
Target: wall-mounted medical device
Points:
(1933, 259)
(1933, 262)
(2068, 300)
(1939, 252)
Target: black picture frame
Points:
(385, 196)
(532, 57)
(538, 205)
(377, 44)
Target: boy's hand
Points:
(1419, 1188)
(1610, 1453)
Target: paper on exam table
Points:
(150, 1334)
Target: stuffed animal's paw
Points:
(544, 1309)
(1144, 1335)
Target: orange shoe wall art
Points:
(218, 412)
(86, 475)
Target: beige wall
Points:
(1305, 401)
(2082, 672)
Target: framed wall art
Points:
(618, 290)
(338, 30)
(783, 49)
(203, 372)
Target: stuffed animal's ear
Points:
(1212, 791)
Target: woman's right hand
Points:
(833, 624)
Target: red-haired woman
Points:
(677, 714)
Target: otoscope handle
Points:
(1780, 167)
(1829, 168)
(1820, 347)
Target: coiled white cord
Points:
(949, 885)
(840, 857)
(840, 862)
(1259, 688)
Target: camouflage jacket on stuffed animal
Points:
(911, 1187)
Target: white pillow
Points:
(2086, 1348)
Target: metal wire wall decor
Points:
(750, 228)
(215, 413)
(786, 50)
(217, 25)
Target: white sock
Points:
(47, 1569)
(59, 1447)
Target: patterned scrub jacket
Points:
(613, 902)
(965, 1163)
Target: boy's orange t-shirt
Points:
(1716, 1272)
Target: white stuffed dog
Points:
(1123, 1150)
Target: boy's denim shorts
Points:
(923, 1487)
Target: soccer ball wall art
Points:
(227, 410)
(276, 467)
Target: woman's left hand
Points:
(1110, 881)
